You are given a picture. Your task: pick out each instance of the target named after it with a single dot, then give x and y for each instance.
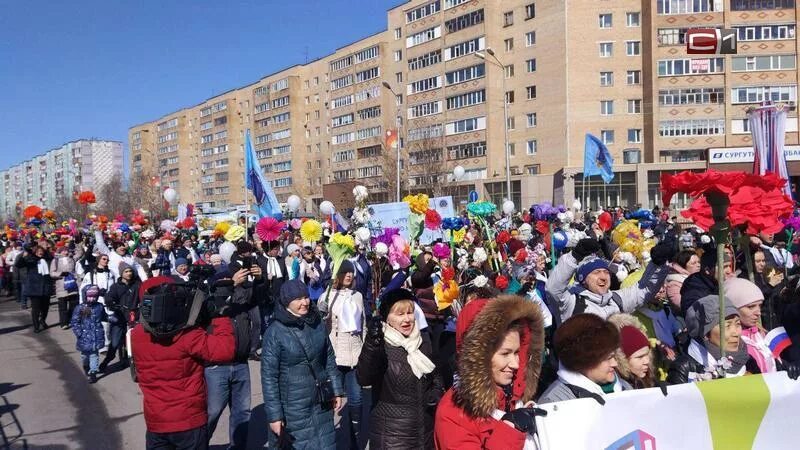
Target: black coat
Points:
(695, 287)
(35, 284)
(122, 297)
(403, 415)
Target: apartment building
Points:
(84, 164)
(461, 79)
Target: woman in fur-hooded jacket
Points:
(473, 414)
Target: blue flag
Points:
(266, 202)
(597, 159)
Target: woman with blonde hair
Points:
(634, 356)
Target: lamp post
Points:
(499, 64)
(397, 123)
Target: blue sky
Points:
(81, 69)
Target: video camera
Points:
(169, 306)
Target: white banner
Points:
(444, 206)
(752, 412)
(395, 215)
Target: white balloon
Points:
(327, 208)
(226, 250)
(576, 205)
(458, 172)
(363, 235)
(381, 249)
(508, 207)
(293, 203)
(170, 195)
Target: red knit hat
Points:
(632, 340)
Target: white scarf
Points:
(349, 314)
(42, 267)
(701, 355)
(273, 268)
(420, 364)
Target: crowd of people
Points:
(457, 339)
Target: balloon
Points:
(293, 203)
(226, 250)
(560, 240)
(327, 208)
(576, 205)
(363, 235)
(170, 195)
(604, 221)
(458, 172)
(508, 207)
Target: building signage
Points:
(726, 155)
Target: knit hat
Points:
(742, 292)
(291, 248)
(703, 315)
(181, 261)
(514, 245)
(92, 293)
(215, 259)
(388, 299)
(632, 340)
(292, 290)
(584, 341)
(589, 265)
(123, 266)
(346, 267)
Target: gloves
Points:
(375, 331)
(524, 419)
(662, 253)
(432, 397)
(585, 248)
(792, 369)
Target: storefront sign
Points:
(726, 155)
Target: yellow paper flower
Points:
(311, 230)
(458, 235)
(345, 240)
(235, 233)
(418, 203)
(222, 228)
(445, 292)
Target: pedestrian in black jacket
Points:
(121, 296)
(37, 284)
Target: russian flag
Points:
(777, 341)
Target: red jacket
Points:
(171, 374)
(455, 430)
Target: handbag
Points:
(70, 283)
(323, 389)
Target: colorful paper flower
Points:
(86, 197)
(399, 252)
(340, 247)
(441, 250)
(452, 223)
(311, 231)
(458, 235)
(481, 209)
(432, 219)
(32, 211)
(269, 228)
(417, 203)
(503, 237)
(444, 292)
(501, 282)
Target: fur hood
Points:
(482, 325)
(623, 368)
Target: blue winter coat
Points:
(89, 330)
(287, 381)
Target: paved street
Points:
(45, 401)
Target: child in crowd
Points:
(88, 328)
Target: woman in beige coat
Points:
(63, 267)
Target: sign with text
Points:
(728, 155)
(711, 41)
(395, 215)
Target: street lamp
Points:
(387, 86)
(499, 64)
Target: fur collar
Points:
(475, 392)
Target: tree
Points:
(67, 207)
(427, 165)
(146, 190)
(115, 199)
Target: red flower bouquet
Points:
(433, 220)
(86, 197)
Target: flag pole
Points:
(244, 187)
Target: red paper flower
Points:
(605, 221)
(86, 197)
(433, 220)
(698, 183)
(269, 229)
(188, 222)
(448, 273)
(32, 212)
(501, 282)
(503, 237)
(760, 210)
(521, 256)
(544, 229)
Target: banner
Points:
(751, 412)
(444, 206)
(395, 215)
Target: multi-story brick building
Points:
(460, 79)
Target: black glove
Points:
(432, 397)
(662, 253)
(375, 331)
(524, 419)
(103, 292)
(792, 369)
(585, 248)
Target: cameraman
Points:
(229, 384)
(170, 374)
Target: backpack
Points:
(70, 283)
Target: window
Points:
(282, 134)
(530, 38)
(530, 65)
(465, 125)
(633, 48)
(368, 172)
(770, 62)
(633, 19)
(398, 33)
(423, 36)
(531, 92)
(168, 137)
(697, 96)
(280, 85)
(509, 97)
(451, 3)
(465, 151)
(368, 74)
(465, 21)
(343, 138)
(172, 123)
(634, 77)
(339, 102)
(605, 20)
(531, 119)
(511, 123)
(691, 127)
(206, 125)
(280, 102)
(757, 5)
(398, 55)
(369, 93)
(369, 113)
(607, 136)
(369, 152)
(508, 18)
(339, 83)
(282, 166)
(511, 148)
(282, 182)
(221, 134)
(606, 107)
(675, 67)
(220, 121)
(347, 155)
(530, 147)
(283, 149)
(468, 99)
(634, 136)
(206, 139)
(508, 71)
(342, 175)
(606, 78)
(533, 169)
(398, 77)
(340, 64)
(759, 94)
(765, 32)
(427, 132)
(509, 44)
(423, 11)
(687, 6)
(425, 156)
(368, 133)
(465, 74)
(425, 60)
(425, 109)
(530, 11)
(606, 49)
(367, 54)
(464, 48)
(635, 106)
(343, 120)
(425, 84)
